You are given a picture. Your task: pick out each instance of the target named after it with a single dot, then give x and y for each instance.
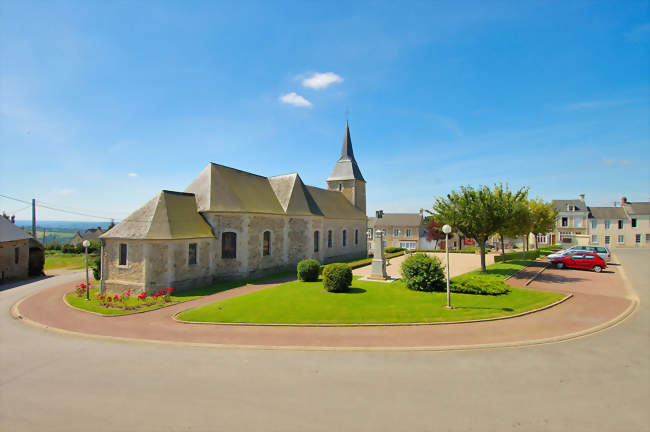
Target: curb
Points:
(537, 274)
(15, 312)
(548, 306)
(522, 269)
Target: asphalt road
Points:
(600, 382)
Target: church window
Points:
(329, 238)
(356, 237)
(316, 241)
(123, 253)
(266, 249)
(16, 255)
(191, 254)
(345, 237)
(229, 245)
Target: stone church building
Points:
(232, 224)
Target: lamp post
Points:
(85, 244)
(447, 229)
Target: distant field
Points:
(66, 261)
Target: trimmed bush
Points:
(421, 272)
(478, 285)
(531, 254)
(308, 270)
(337, 277)
(394, 249)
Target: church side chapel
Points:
(231, 224)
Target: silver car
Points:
(601, 251)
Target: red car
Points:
(582, 260)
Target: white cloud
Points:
(295, 100)
(133, 175)
(321, 80)
(65, 191)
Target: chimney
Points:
(582, 197)
(623, 201)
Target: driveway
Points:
(59, 383)
(460, 263)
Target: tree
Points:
(543, 217)
(508, 201)
(519, 222)
(477, 213)
(434, 231)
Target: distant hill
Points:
(59, 231)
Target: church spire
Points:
(346, 167)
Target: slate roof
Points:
(607, 213)
(561, 205)
(396, 219)
(90, 234)
(346, 167)
(169, 215)
(334, 205)
(10, 232)
(638, 208)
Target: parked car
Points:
(602, 252)
(582, 260)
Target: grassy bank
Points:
(370, 302)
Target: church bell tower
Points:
(346, 176)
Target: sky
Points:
(104, 104)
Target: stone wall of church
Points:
(119, 278)
(338, 250)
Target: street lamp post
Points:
(85, 244)
(447, 229)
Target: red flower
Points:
(82, 285)
(170, 289)
(109, 299)
(115, 297)
(101, 297)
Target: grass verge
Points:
(370, 303)
(66, 261)
(94, 305)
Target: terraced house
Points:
(400, 229)
(627, 225)
(230, 223)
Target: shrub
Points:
(308, 270)
(337, 277)
(423, 273)
(479, 285)
(531, 254)
(97, 267)
(394, 249)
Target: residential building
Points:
(89, 234)
(400, 229)
(233, 224)
(20, 255)
(571, 224)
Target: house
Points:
(400, 229)
(232, 224)
(577, 223)
(89, 234)
(20, 255)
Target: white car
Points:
(601, 251)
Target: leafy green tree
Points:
(543, 217)
(477, 213)
(508, 202)
(519, 222)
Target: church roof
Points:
(223, 189)
(10, 232)
(169, 215)
(346, 167)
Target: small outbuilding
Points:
(14, 252)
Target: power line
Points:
(57, 209)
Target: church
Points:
(232, 224)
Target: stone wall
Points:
(119, 278)
(8, 268)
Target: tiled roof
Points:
(638, 208)
(10, 232)
(396, 219)
(606, 213)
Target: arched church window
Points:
(356, 236)
(329, 238)
(345, 237)
(229, 245)
(316, 241)
(266, 247)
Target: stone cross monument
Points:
(378, 268)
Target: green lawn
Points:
(94, 305)
(369, 302)
(59, 260)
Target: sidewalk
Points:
(598, 299)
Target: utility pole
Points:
(44, 230)
(34, 217)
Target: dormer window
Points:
(571, 207)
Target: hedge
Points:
(367, 261)
(308, 270)
(337, 277)
(394, 249)
(478, 285)
(465, 251)
(531, 254)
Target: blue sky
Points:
(103, 104)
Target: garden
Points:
(331, 295)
